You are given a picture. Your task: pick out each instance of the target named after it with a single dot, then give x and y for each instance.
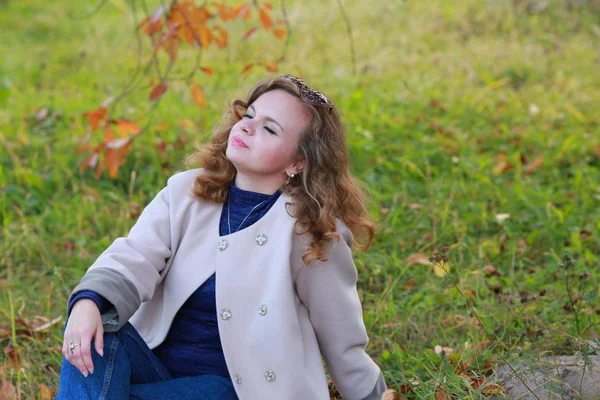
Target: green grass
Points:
(443, 89)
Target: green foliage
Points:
(453, 104)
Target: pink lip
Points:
(238, 142)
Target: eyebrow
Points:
(268, 118)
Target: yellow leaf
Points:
(198, 95)
(441, 269)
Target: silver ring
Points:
(72, 346)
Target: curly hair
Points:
(325, 190)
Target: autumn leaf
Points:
(89, 162)
(158, 91)
(45, 393)
(111, 158)
(222, 38)
(417, 258)
(97, 117)
(441, 269)
(197, 93)
(493, 389)
(100, 168)
(207, 70)
(109, 134)
(271, 66)
(249, 33)
(205, 37)
(530, 168)
(247, 68)
(265, 19)
(267, 5)
(280, 33)
(246, 13)
(126, 128)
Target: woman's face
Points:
(262, 144)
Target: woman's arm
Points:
(328, 290)
(129, 270)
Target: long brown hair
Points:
(323, 191)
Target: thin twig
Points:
(289, 32)
(349, 31)
(98, 7)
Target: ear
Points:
(296, 167)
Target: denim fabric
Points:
(129, 370)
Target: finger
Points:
(86, 353)
(99, 340)
(75, 358)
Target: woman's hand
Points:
(84, 324)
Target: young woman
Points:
(238, 276)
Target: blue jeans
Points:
(130, 370)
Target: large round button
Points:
(270, 376)
(225, 314)
(261, 239)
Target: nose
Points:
(248, 127)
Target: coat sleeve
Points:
(328, 290)
(129, 270)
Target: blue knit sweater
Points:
(192, 346)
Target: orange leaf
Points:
(126, 128)
(198, 95)
(109, 134)
(112, 162)
(249, 33)
(207, 70)
(265, 19)
(247, 69)
(534, 166)
(158, 91)
(100, 168)
(280, 33)
(493, 389)
(45, 393)
(271, 66)
(440, 394)
(97, 117)
(222, 38)
(123, 152)
(89, 162)
(267, 5)
(246, 13)
(205, 36)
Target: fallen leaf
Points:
(539, 162)
(418, 258)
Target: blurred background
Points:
(472, 123)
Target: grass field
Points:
(473, 124)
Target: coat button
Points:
(223, 244)
(270, 376)
(226, 314)
(238, 379)
(261, 239)
(262, 310)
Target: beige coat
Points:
(277, 316)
